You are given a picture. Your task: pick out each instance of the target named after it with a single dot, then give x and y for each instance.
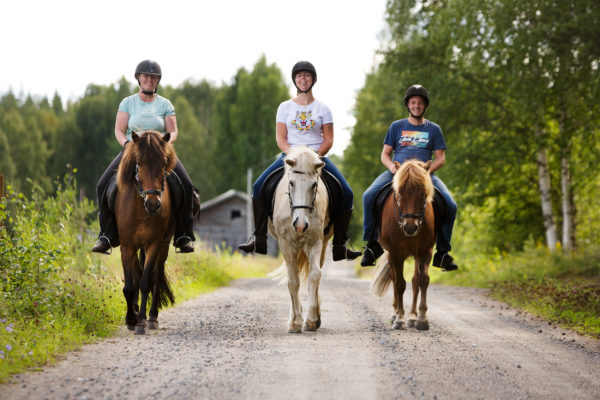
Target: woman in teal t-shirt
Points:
(143, 111)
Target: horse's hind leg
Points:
(397, 267)
(146, 284)
(156, 290)
(313, 317)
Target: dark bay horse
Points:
(146, 223)
(407, 229)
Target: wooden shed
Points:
(223, 222)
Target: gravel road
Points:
(233, 344)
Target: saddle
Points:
(334, 192)
(175, 188)
(439, 205)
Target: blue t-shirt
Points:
(414, 141)
(145, 116)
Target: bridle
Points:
(399, 216)
(294, 207)
(140, 188)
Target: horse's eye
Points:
(314, 186)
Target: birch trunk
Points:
(546, 198)
(567, 205)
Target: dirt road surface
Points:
(233, 344)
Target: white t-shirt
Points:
(304, 122)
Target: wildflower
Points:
(31, 352)
(3, 320)
(8, 348)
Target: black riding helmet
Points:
(416, 90)
(304, 66)
(148, 67)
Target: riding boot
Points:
(109, 234)
(184, 231)
(371, 253)
(443, 260)
(340, 238)
(257, 242)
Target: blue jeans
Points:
(370, 225)
(329, 166)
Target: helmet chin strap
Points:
(147, 93)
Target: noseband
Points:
(143, 193)
(400, 217)
(294, 207)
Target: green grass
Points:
(55, 295)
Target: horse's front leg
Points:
(313, 317)
(295, 320)
(146, 284)
(421, 281)
(153, 313)
(130, 289)
(397, 268)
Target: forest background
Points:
(514, 86)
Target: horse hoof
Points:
(422, 325)
(312, 325)
(411, 323)
(398, 325)
(294, 329)
(152, 324)
(392, 318)
(131, 327)
(140, 330)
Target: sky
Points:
(62, 45)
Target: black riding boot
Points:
(109, 234)
(340, 237)
(184, 230)
(371, 253)
(257, 243)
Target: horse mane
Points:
(305, 160)
(412, 175)
(149, 149)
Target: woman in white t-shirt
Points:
(142, 111)
(303, 121)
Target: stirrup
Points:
(109, 251)
(189, 240)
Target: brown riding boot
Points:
(257, 242)
(340, 238)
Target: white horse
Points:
(300, 214)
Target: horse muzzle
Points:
(152, 206)
(410, 229)
(300, 227)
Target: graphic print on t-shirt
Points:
(414, 139)
(303, 121)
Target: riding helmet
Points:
(148, 67)
(416, 90)
(304, 66)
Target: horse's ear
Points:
(290, 162)
(427, 165)
(166, 137)
(135, 137)
(397, 164)
(319, 165)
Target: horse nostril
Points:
(410, 229)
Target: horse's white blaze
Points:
(299, 230)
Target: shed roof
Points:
(231, 193)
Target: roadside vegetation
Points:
(56, 295)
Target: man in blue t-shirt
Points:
(412, 137)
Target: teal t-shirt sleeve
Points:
(125, 105)
(169, 109)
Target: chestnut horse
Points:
(300, 214)
(146, 223)
(407, 229)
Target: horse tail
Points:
(281, 274)
(383, 276)
(164, 292)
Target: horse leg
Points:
(295, 321)
(412, 317)
(146, 283)
(156, 295)
(128, 259)
(137, 274)
(422, 263)
(397, 268)
(313, 317)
